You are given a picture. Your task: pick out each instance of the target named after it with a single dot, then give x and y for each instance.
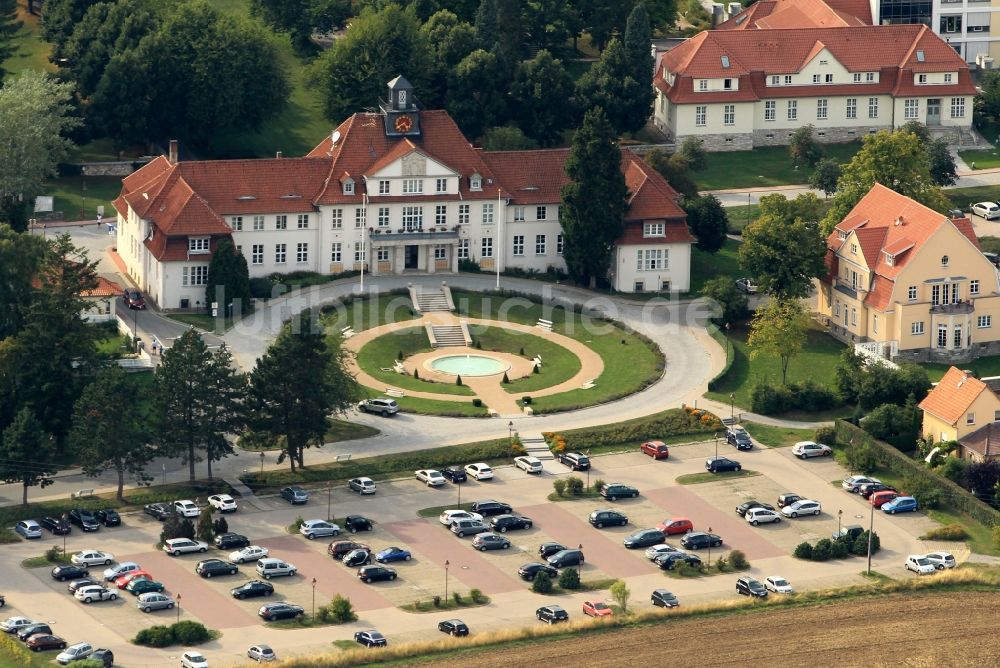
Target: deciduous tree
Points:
(542, 97)
(106, 28)
(779, 330)
(782, 253)
(474, 98)
(228, 279)
(674, 168)
(27, 454)
(60, 18)
(507, 138)
(803, 149)
(20, 258)
(620, 593)
(693, 150)
(732, 303)
(825, 176)
(708, 222)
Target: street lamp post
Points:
(588, 469)
(732, 408)
(459, 486)
(871, 527)
(178, 607)
(262, 465)
(446, 565)
(709, 549)
(314, 599)
(840, 513)
(329, 494)
(65, 518)
(510, 433)
(716, 445)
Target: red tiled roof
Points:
(951, 397)
(870, 240)
(880, 294)
(104, 288)
(800, 14)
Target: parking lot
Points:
(710, 505)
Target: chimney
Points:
(173, 152)
(278, 155)
(717, 15)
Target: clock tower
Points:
(401, 113)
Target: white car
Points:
(315, 528)
(248, 553)
(261, 653)
(431, 477)
(12, 624)
(177, 546)
(449, 516)
(919, 564)
(853, 484)
(757, 516)
(124, 567)
(223, 503)
(528, 464)
(988, 210)
(778, 585)
(193, 660)
(77, 652)
(92, 558)
(186, 508)
(654, 551)
(362, 485)
(95, 593)
(479, 471)
(941, 560)
(802, 507)
(804, 449)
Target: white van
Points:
(271, 567)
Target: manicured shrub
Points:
(522, 351)
(526, 400)
(457, 598)
(476, 595)
(806, 396)
(924, 489)
(861, 544)
(597, 485)
(155, 636)
(536, 369)
(823, 550)
(188, 632)
(839, 549)
(458, 380)
(560, 486)
(574, 486)
(569, 579)
(260, 287)
(416, 375)
(803, 550)
(948, 532)
(826, 435)
(739, 560)
(542, 584)
(338, 611)
(478, 403)
(221, 526)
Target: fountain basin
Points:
(468, 365)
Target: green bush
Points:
(476, 595)
(739, 560)
(822, 550)
(220, 525)
(155, 636)
(457, 598)
(560, 486)
(341, 610)
(526, 399)
(436, 600)
(297, 524)
(597, 485)
(458, 380)
(574, 486)
(803, 550)
(807, 396)
(542, 584)
(861, 457)
(569, 579)
(826, 435)
(839, 549)
(478, 403)
(861, 544)
(925, 490)
(947, 532)
(186, 529)
(672, 422)
(722, 564)
(53, 554)
(190, 633)
(953, 469)
(14, 651)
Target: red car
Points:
(122, 580)
(44, 641)
(596, 609)
(675, 525)
(655, 449)
(878, 499)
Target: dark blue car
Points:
(901, 504)
(393, 554)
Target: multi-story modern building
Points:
(390, 191)
(737, 89)
(908, 283)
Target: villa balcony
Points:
(388, 235)
(955, 308)
(846, 288)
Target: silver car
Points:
(315, 528)
(152, 600)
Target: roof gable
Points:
(951, 398)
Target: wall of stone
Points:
(724, 142)
(828, 136)
(122, 168)
(948, 356)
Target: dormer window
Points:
(198, 244)
(842, 234)
(348, 184)
(475, 182)
(890, 259)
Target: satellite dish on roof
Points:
(335, 137)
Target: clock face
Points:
(403, 123)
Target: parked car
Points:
(643, 538)
(375, 573)
(868, 489)
(223, 503)
(449, 516)
(490, 541)
(655, 449)
(212, 567)
(453, 627)
(362, 485)
(26, 632)
(69, 572)
(383, 406)
(371, 638)
(143, 586)
(528, 464)
(489, 507)
(596, 609)
(577, 461)
(261, 653)
(788, 498)
(228, 541)
(108, 517)
(746, 285)
(77, 652)
(356, 523)
(30, 529)
(93, 593)
(393, 553)
(919, 564)
(551, 614)
(746, 506)
(56, 525)
(463, 528)
(430, 477)
(456, 474)
(280, 610)
(122, 580)
(44, 641)
(762, 516)
(269, 567)
(529, 570)
(84, 519)
(778, 585)
(133, 299)
(186, 508)
(879, 499)
(853, 483)
(738, 437)
(159, 511)
(802, 507)
(505, 523)
(675, 525)
(12, 624)
(941, 560)
(616, 490)
(717, 464)
(79, 583)
(653, 551)
(92, 558)
(669, 560)
(851, 530)
(252, 589)
(546, 550)
(178, 546)
(193, 660)
(605, 517)
(338, 548)
(313, 529)
(294, 495)
(901, 504)
(479, 471)
(105, 656)
(987, 210)
(806, 449)
(751, 587)
(114, 572)
(565, 558)
(154, 600)
(663, 598)
(698, 539)
(357, 557)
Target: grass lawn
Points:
(708, 476)
(445, 408)
(338, 430)
(982, 367)
(981, 159)
(980, 536)
(963, 198)
(816, 362)
(777, 437)
(706, 266)
(382, 353)
(43, 560)
(362, 314)
(112, 346)
(71, 198)
(465, 601)
(767, 166)
(741, 216)
(32, 53)
(558, 364)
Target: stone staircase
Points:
(536, 447)
(426, 301)
(448, 336)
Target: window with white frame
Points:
(821, 109)
(910, 108)
(854, 316)
(487, 247)
(518, 214)
(539, 244)
(788, 79)
(359, 216)
(257, 254)
(857, 77)
(770, 110)
(911, 293)
(852, 107)
(729, 114)
(948, 77)
(383, 187)
(917, 328)
(700, 115)
(337, 219)
(518, 244)
(970, 418)
(440, 252)
(828, 78)
(793, 110)
(702, 84)
(281, 222)
(348, 187)
(440, 214)
(303, 221)
(236, 222)
(652, 230)
(336, 252)
(958, 107)
(198, 244)
(869, 77)
(382, 255)
(775, 80)
(650, 260)
(921, 78)
(836, 308)
(413, 186)
(302, 252)
(280, 253)
(475, 182)
(463, 249)
(873, 107)
(559, 244)
(541, 212)
(463, 214)
(974, 287)
(360, 253)
(258, 223)
(383, 216)
(815, 78)
(488, 213)
(984, 321)
(441, 185)
(197, 275)
(413, 217)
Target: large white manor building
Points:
(394, 191)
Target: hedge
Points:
(722, 340)
(673, 422)
(15, 650)
(181, 633)
(954, 497)
(806, 396)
